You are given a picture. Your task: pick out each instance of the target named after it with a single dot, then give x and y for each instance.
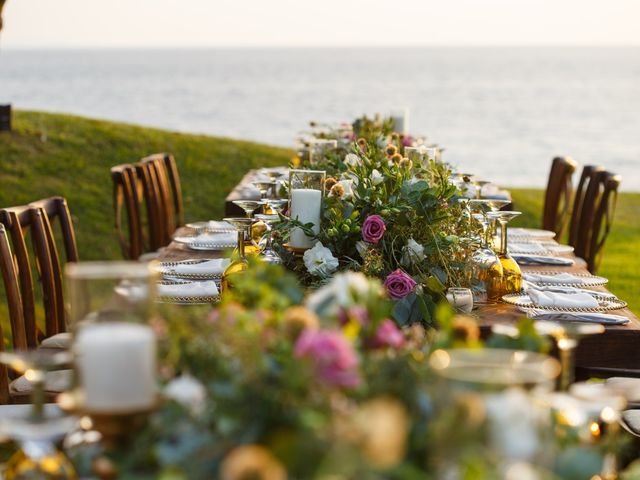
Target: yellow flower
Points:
(251, 462)
(351, 329)
(295, 161)
(396, 157)
(391, 150)
(337, 191)
(298, 318)
(329, 183)
(383, 425)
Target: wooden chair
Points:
(589, 174)
(557, 200)
(19, 390)
(36, 218)
(154, 207)
(176, 187)
(126, 197)
(602, 220)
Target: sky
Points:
(299, 23)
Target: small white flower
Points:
(352, 160)
(376, 177)
(320, 261)
(187, 391)
(344, 290)
(362, 247)
(412, 252)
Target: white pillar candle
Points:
(305, 207)
(116, 363)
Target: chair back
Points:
(14, 298)
(126, 198)
(18, 221)
(154, 208)
(589, 175)
(602, 220)
(176, 188)
(56, 208)
(557, 201)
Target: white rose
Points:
(320, 261)
(376, 177)
(187, 391)
(340, 292)
(412, 252)
(352, 160)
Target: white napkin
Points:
(219, 225)
(214, 266)
(528, 286)
(560, 278)
(190, 289)
(220, 240)
(532, 247)
(562, 300)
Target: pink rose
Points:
(388, 335)
(399, 284)
(333, 357)
(373, 229)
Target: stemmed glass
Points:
(37, 433)
(485, 266)
(264, 186)
(268, 254)
(246, 244)
(249, 206)
(275, 205)
(240, 262)
(511, 273)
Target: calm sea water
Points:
(504, 112)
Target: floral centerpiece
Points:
(390, 219)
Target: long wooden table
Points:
(615, 352)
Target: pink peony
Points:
(407, 141)
(332, 355)
(399, 284)
(388, 335)
(373, 229)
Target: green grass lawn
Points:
(51, 154)
(621, 261)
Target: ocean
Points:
(500, 112)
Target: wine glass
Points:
(511, 273)
(244, 226)
(37, 433)
(268, 254)
(240, 262)
(275, 205)
(264, 186)
(249, 206)
(485, 267)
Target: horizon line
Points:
(304, 47)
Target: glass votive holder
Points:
(306, 189)
(319, 148)
(421, 155)
(461, 299)
(121, 291)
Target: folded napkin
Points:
(559, 278)
(206, 267)
(528, 286)
(530, 232)
(582, 317)
(532, 247)
(189, 289)
(541, 298)
(219, 225)
(528, 259)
